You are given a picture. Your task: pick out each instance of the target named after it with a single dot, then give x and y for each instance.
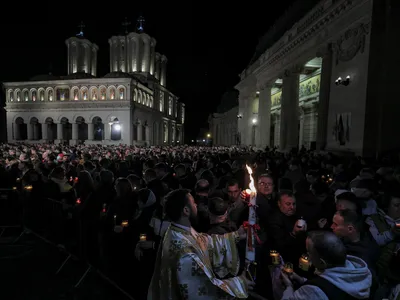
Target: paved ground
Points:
(28, 267)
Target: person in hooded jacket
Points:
(338, 275)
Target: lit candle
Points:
(76, 179)
(104, 208)
(276, 260)
(78, 201)
(252, 192)
(124, 223)
(18, 179)
(115, 220)
(398, 225)
(28, 187)
(14, 188)
(304, 263)
(288, 268)
(143, 237)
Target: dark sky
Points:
(207, 44)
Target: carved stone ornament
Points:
(352, 42)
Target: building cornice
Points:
(317, 19)
(64, 82)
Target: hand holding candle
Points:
(304, 263)
(288, 268)
(275, 257)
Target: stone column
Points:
(147, 131)
(138, 62)
(139, 131)
(107, 132)
(36, 132)
(163, 71)
(264, 116)
(157, 72)
(45, 127)
(152, 56)
(74, 131)
(301, 130)
(60, 133)
(90, 131)
(324, 94)
(146, 54)
(289, 131)
(30, 131)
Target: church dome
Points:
(78, 75)
(118, 74)
(44, 77)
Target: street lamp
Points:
(208, 135)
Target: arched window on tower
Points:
(41, 95)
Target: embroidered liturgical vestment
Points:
(187, 264)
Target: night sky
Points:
(207, 46)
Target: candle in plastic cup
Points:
(304, 263)
(300, 223)
(276, 260)
(288, 268)
(124, 223)
(143, 237)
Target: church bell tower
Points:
(82, 54)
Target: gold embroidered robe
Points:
(187, 263)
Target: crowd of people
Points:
(167, 222)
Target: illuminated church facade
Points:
(129, 105)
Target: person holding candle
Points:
(385, 229)
(187, 261)
(348, 226)
(338, 275)
(286, 230)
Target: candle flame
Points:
(251, 185)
